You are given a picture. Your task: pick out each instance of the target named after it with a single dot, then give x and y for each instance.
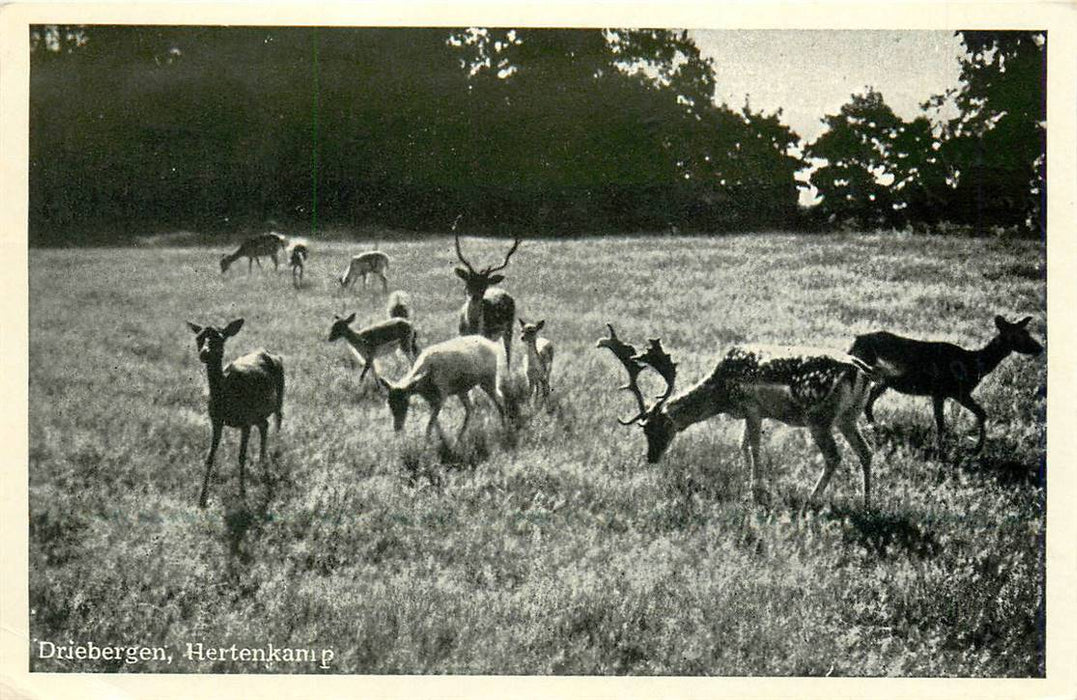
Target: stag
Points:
(940, 370)
(488, 311)
(800, 387)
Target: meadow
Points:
(551, 547)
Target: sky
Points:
(811, 73)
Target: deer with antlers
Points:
(801, 387)
(940, 370)
(488, 311)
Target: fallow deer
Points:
(450, 368)
(373, 262)
(800, 387)
(489, 310)
(243, 394)
(300, 252)
(398, 305)
(940, 370)
(375, 340)
(538, 362)
(254, 248)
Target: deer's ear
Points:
(540, 324)
(350, 318)
(494, 279)
(461, 273)
(233, 328)
(1024, 321)
(522, 324)
(195, 328)
(1000, 323)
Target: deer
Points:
(488, 311)
(373, 262)
(255, 248)
(300, 252)
(450, 368)
(375, 340)
(801, 387)
(398, 305)
(538, 362)
(940, 370)
(241, 395)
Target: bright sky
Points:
(810, 73)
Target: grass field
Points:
(552, 548)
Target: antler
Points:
(515, 245)
(459, 253)
(660, 361)
(627, 355)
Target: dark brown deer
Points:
(241, 395)
(300, 252)
(803, 387)
(488, 311)
(254, 248)
(939, 370)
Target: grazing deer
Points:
(539, 358)
(939, 370)
(299, 260)
(797, 386)
(450, 368)
(376, 340)
(488, 311)
(243, 394)
(373, 262)
(254, 248)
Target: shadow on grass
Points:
(882, 533)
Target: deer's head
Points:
(657, 426)
(225, 263)
(340, 325)
(478, 281)
(529, 331)
(398, 399)
(1016, 336)
(210, 340)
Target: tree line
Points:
(534, 131)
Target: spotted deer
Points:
(255, 248)
(800, 387)
(449, 368)
(241, 395)
(376, 340)
(489, 310)
(373, 262)
(940, 370)
(538, 362)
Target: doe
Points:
(797, 386)
(375, 340)
(940, 370)
(241, 395)
(254, 248)
(373, 262)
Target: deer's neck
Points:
(989, 356)
(704, 400)
(215, 375)
(475, 316)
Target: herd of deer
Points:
(805, 387)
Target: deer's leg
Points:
(214, 441)
(466, 403)
(851, 431)
(831, 457)
(384, 282)
(435, 409)
(250, 265)
(938, 402)
(876, 391)
(276, 263)
(749, 445)
(981, 418)
(244, 437)
(508, 348)
(494, 392)
(263, 430)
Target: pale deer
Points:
(300, 252)
(255, 248)
(800, 387)
(489, 310)
(373, 262)
(241, 395)
(375, 340)
(538, 362)
(450, 368)
(940, 370)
